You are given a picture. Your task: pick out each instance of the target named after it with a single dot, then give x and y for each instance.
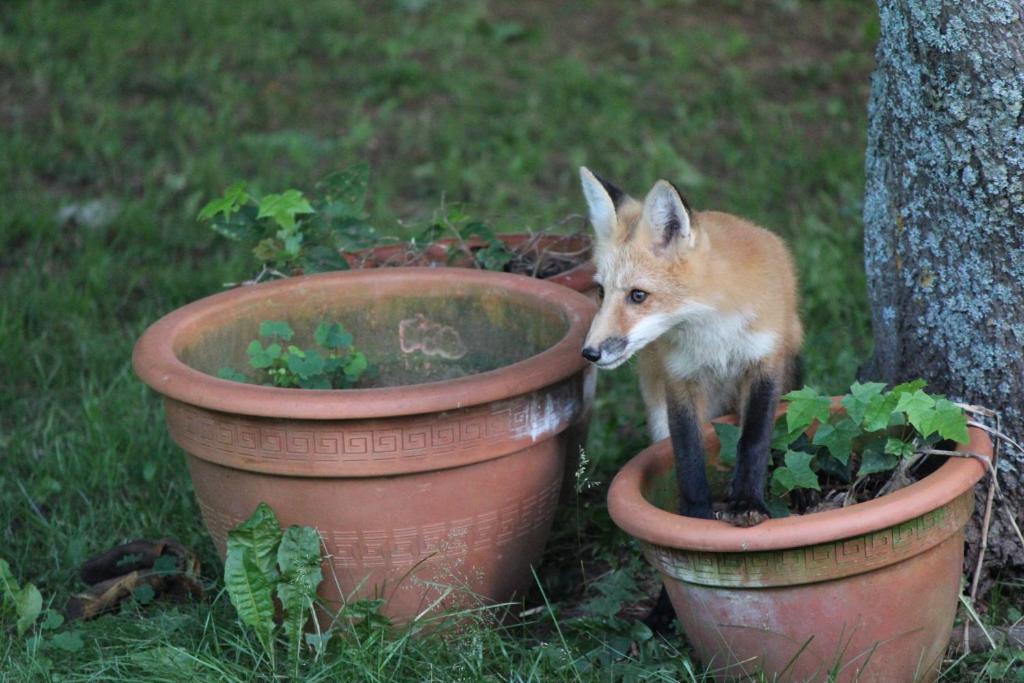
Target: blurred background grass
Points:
(118, 121)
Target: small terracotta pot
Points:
(419, 484)
(580, 278)
(867, 592)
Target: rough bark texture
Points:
(944, 214)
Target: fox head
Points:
(650, 259)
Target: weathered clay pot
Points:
(579, 278)
(867, 592)
(445, 474)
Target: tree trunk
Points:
(944, 215)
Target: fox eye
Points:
(638, 296)
(600, 292)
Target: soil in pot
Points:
(433, 486)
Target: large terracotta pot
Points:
(445, 474)
(867, 592)
(446, 252)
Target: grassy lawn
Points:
(118, 121)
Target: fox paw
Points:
(744, 514)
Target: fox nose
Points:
(591, 354)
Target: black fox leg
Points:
(661, 616)
(694, 491)
(688, 448)
(746, 504)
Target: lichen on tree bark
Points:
(944, 212)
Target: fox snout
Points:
(610, 347)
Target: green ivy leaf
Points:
(919, 408)
(729, 436)
(838, 438)
(355, 366)
(860, 395)
(909, 387)
(899, 447)
(495, 256)
(782, 436)
(796, 473)
(805, 406)
(833, 467)
(234, 197)
(260, 357)
(874, 460)
(306, 363)
(777, 508)
(332, 335)
(276, 328)
(284, 207)
(949, 420)
(878, 412)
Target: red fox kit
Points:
(708, 303)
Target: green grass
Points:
(151, 108)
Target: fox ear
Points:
(602, 198)
(667, 215)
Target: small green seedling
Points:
(876, 432)
(337, 364)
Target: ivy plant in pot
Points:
(858, 577)
(435, 458)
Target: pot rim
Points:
(155, 360)
(632, 512)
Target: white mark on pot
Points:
(430, 338)
(547, 416)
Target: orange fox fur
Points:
(708, 303)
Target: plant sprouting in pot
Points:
(336, 365)
(290, 233)
(822, 459)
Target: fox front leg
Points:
(746, 500)
(688, 449)
(692, 480)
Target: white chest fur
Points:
(713, 347)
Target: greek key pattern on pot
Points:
(213, 435)
(402, 547)
(817, 562)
